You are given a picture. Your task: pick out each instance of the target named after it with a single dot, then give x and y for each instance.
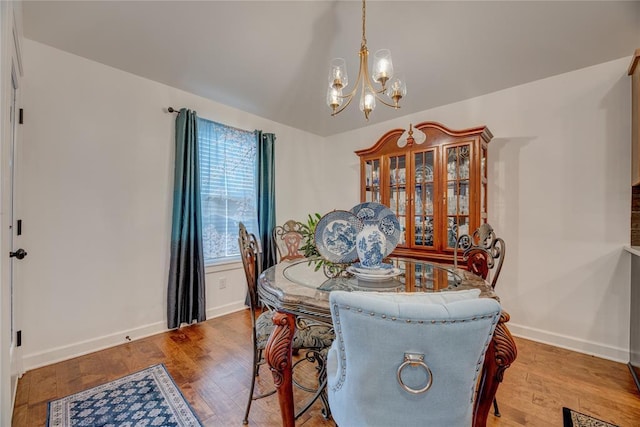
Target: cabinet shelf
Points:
(443, 193)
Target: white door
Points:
(15, 230)
(10, 75)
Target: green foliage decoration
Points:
(311, 251)
(309, 246)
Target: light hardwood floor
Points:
(211, 362)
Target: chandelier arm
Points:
(349, 95)
(363, 73)
(345, 105)
(363, 54)
(365, 66)
(386, 103)
(367, 78)
(357, 83)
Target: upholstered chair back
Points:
(407, 359)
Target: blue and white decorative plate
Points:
(382, 266)
(393, 272)
(387, 222)
(381, 269)
(335, 236)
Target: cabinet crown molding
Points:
(430, 129)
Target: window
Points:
(228, 187)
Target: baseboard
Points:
(225, 309)
(603, 351)
(58, 354)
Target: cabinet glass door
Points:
(372, 180)
(458, 193)
(423, 178)
(398, 193)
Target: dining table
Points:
(299, 289)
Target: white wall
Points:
(559, 194)
(97, 179)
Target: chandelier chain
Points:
(364, 37)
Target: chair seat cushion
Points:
(316, 336)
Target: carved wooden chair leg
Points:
(496, 411)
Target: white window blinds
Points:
(228, 187)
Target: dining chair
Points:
(404, 359)
(482, 252)
(315, 339)
(287, 239)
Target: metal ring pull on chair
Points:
(412, 359)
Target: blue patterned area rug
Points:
(576, 419)
(146, 398)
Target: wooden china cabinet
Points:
(437, 189)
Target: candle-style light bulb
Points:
(334, 99)
(338, 73)
(367, 102)
(397, 90)
(382, 66)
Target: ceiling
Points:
(271, 58)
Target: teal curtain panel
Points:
(186, 290)
(266, 194)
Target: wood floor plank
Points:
(22, 393)
(44, 385)
(211, 364)
(196, 401)
(221, 403)
(37, 414)
(21, 415)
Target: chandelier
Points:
(382, 73)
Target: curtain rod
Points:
(173, 110)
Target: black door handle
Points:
(20, 253)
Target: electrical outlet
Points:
(222, 283)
